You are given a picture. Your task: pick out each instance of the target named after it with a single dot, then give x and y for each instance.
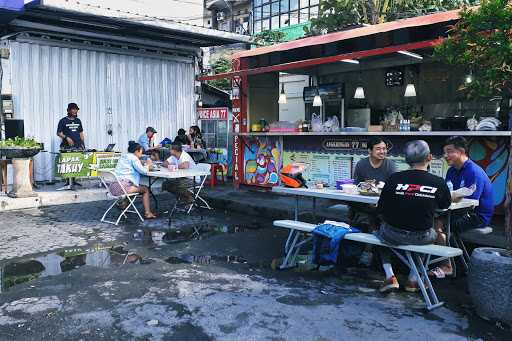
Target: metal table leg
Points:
(296, 208)
(314, 210)
(150, 185)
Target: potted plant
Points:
(480, 43)
(20, 150)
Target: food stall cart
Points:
(377, 80)
(214, 123)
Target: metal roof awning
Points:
(87, 20)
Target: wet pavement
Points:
(65, 276)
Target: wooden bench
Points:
(410, 255)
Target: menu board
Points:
(401, 165)
(324, 167)
(439, 167)
(331, 167)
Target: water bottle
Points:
(450, 185)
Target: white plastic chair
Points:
(108, 177)
(197, 195)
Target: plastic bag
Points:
(316, 123)
(335, 124)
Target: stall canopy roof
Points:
(43, 14)
(302, 55)
(354, 33)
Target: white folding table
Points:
(193, 173)
(334, 194)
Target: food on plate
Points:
(369, 187)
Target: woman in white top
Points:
(129, 169)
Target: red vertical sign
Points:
(239, 105)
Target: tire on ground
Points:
(490, 284)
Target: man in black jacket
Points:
(407, 205)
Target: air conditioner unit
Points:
(220, 16)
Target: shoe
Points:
(412, 286)
(390, 284)
(366, 259)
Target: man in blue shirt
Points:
(146, 140)
(463, 172)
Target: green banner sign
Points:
(84, 164)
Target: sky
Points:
(188, 11)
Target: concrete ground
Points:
(92, 281)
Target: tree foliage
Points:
(221, 65)
(337, 15)
(482, 42)
(267, 38)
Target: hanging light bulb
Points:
(317, 101)
(410, 90)
(469, 78)
(282, 96)
(359, 93)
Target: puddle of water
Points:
(199, 232)
(206, 260)
(53, 264)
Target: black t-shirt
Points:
(72, 129)
(181, 139)
(410, 198)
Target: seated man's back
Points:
(410, 198)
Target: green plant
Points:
(18, 142)
(221, 65)
(268, 37)
(481, 42)
(336, 15)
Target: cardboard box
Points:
(375, 128)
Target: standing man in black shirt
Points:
(407, 205)
(70, 129)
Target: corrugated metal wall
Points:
(139, 91)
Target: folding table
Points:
(164, 173)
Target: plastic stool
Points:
(215, 169)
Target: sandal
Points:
(439, 273)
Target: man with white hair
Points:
(407, 205)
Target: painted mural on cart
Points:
(262, 161)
